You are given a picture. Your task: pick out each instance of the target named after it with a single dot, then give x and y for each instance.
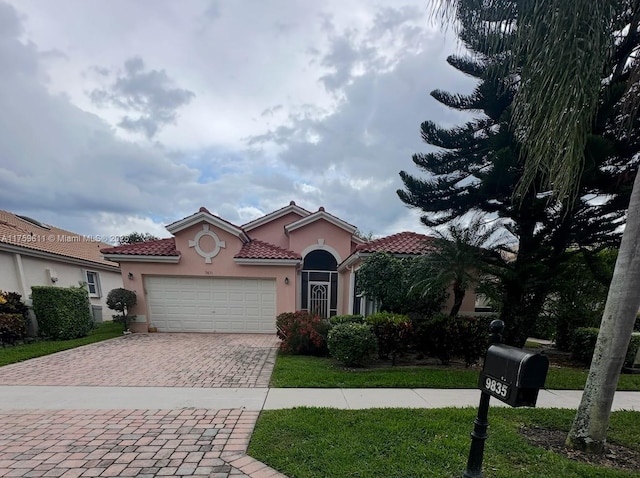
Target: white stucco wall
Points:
(35, 273)
(8, 277)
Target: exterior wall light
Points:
(286, 280)
(130, 275)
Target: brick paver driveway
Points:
(155, 360)
(139, 442)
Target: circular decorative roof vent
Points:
(195, 243)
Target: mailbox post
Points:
(512, 376)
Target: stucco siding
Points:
(273, 232)
(35, 274)
(332, 238)
(8, 275)
(223, 265)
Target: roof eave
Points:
(58, 257)
(201, 216)
(275, 215)
(141, 258)
(320, 215)
(352, 259)
(266, 262)
(358, 240)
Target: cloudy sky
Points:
(127, 115)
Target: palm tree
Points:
(564, 48)
(458, 259)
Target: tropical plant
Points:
(479, 167)
(570, 53)
(459, 258)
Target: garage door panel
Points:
(193, 304)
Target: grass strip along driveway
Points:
(312, 442)
(18, 353)
(319, 372)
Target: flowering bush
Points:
(302, 333)
(13, 317)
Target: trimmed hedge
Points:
(13, 327)
(393, 332)
(302, 333)
(583, 345)
(62, 312)
(446, 337)
(346, 319)
(352, 343)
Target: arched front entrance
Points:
(320, 283)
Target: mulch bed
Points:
(615, 456)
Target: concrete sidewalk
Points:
(20, 397)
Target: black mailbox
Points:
(513, 375)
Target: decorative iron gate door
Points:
(319, 298)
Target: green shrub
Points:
(471, 336)
(393, 332)
(446, 337)
(62, 313)
(584, 344)
(435, 338)
(12, 328)
(122, 300)
(346, 319)
(302, 333)
(352, 343)
(11, 303)
(632, 351)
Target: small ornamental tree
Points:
(122, 300)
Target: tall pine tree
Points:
(479, 164)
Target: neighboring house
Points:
(214, 276)
(32, 253)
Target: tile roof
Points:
(19, 232)
(400, 243)
(292, 207)
(159, 247)
(263, 250)
(187, 221)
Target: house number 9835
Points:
(496, 387)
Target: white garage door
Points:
(207, 304)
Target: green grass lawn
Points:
(19, 353)
(321, 372)
(403, 443)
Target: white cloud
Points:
(285, 100)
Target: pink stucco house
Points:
(214, 276)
